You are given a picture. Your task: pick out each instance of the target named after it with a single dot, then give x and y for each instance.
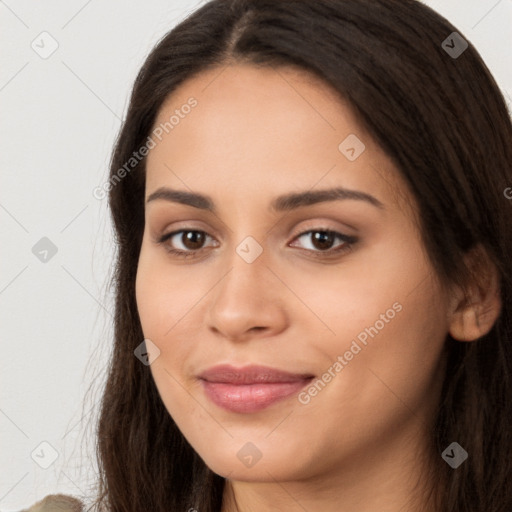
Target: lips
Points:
(251, 388)
(249, 375)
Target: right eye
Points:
(191, 241)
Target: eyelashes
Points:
(323, 236)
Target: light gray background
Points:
(59, 119)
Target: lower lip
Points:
(248, 398)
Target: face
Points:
(333, 291)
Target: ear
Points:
(474, 311)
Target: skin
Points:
(362, 442)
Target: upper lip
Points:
(252, 374)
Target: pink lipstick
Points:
(250, 389)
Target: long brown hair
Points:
(443, 122)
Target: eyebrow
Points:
(281, 203)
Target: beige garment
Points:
(57, 503)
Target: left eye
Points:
(323, 240)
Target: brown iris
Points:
(323, 239)
(193, 239)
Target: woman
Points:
(314, 267)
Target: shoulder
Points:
(57, 503)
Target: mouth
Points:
(250, 389)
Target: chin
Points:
(246, 463)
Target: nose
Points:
(248, 302)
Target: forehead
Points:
(252, 126)
(272, 98)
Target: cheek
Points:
(387, 321)
(169, 300)
(164, 295)
(393, 364)
(164, 299)
(367, 288)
